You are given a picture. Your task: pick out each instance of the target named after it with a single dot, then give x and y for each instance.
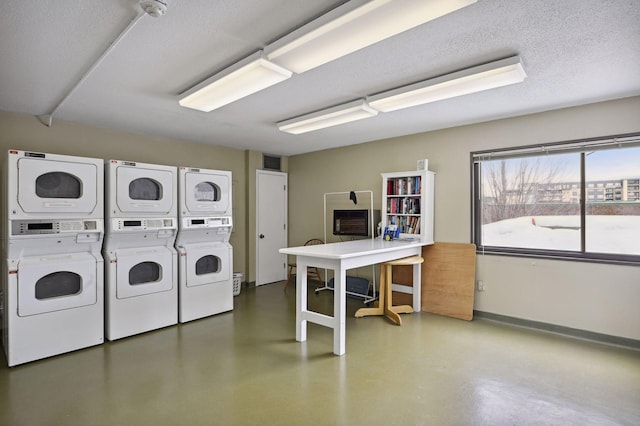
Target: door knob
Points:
(261, 236)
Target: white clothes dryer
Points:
(52, 269)
(141, 273)
(205, 255)
(204, 192)
(140, 190)
(52, 186)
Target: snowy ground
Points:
(605, 234)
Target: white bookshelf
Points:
(407, 201)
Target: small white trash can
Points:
(237, 283)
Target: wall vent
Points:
(271, 162)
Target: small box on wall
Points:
(423, 164)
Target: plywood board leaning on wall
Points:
(448, 278)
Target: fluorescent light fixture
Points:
(248, 76)
(339, 33)
(345, 29)
(472, 80)
(340, 114)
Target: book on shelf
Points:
(404, 186)
(403, 206)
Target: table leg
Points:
(301, 301)
(417, 287)
(339, 311)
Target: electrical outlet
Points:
(480, 285)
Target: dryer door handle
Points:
(59, 204)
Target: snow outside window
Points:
(576, 200)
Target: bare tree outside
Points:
(535, 202)
(520, 187)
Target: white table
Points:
(340, 257)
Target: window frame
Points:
(581, 145)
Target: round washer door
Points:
(144, 271)
(55, 283)
(208, 264)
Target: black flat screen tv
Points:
(351, 222)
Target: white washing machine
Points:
(141, 272)
(205, 255)
(52, 269)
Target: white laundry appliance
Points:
(141, 266)
(205, 255)
(52, 269)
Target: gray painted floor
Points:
(245, 367)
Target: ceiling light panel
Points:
(337, 34)
(483, 77)
(340, 114)
(249, 76)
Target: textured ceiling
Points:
(574, 52)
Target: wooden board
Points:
(448, 279)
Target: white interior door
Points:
(271, 226)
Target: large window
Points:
(578, 200)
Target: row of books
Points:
(406, 224)
(403, 205)
(404, 186)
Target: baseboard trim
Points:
(568, 331)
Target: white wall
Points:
(594, 297)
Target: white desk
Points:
(340, 257)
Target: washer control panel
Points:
(144, 224)
(39, 227)
(207, 222)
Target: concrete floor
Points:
(245, 367)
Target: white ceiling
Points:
(574, 52)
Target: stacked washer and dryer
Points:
(141, 265)
(206, 257)
(52, 269)
(58, 293)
